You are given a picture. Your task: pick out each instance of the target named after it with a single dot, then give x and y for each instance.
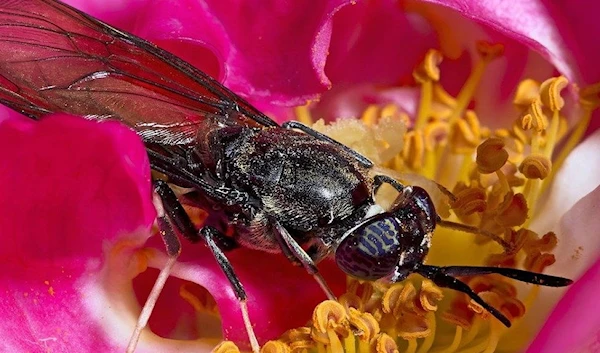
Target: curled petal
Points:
(61, 180)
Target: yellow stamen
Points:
(487, 52)
(275, 347)
(303, 115)
(590, 100)
(226, 347)
(370, 115)
(385, 344)
(491, 155)
(426, 74)
(455, 341)
(495, 177)
(535, 167)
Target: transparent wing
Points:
(54, 58)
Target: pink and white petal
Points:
(574, 325)
(573, 185)
(351, 102)
(69, 186)
(271, 282)
(570, 210)
(531, 23)
(460, 25)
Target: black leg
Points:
(173, 247)
(307, 130)
(210, 234)
(380, 179)
(173, 219)
(175, 212)
(287, 241)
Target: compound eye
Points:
(372, 250)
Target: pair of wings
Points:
(54, 58)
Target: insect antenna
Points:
(474, 230)
(444, 277)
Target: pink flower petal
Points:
(376, 43)
(574, 325)
(252, 41)
(61, 179)
(528, 22)
(272, 285)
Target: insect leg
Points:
(175, 219)
(210, 235)
(442, 279)
(173, 248)
(302, 257)
(380, 179)
(307, 130)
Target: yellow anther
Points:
(330, 315)
(521, 237)
(397, 298)
(468, 201)
(366, 324)
(489, 51)
(535, 166)
(299, 338)
(226, 347)
(433, 133)
(275, 347)
(550, 93)
(414, 149)
(546, 243)
(351, 300)
(429, 70)
(465, 133)
(491, 155)
(458, 315)
(427, 73)
(489, 297)
(538, 261)
(502, 260)
(390, 111)
(527, 92)
(370, 115)
(513, 211)
(429, 296)
(513, 308)
(535, 119)
(385, 344)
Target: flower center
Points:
(495, 178)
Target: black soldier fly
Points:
(285, 188)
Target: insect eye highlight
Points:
(372, 250)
